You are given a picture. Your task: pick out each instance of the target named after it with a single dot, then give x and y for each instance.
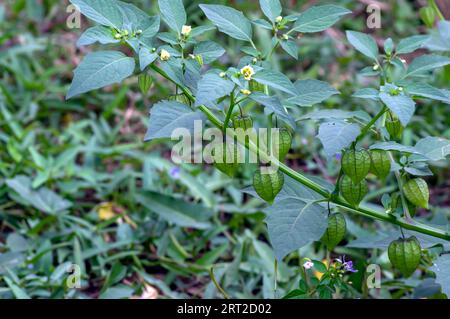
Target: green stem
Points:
(371, 123)
(436, 8)
(219, 288)
(230, 111)
(337, 200)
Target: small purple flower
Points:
(338, 156)
(175, 172)
(347, 265)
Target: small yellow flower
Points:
(105, 211)
(278, 19)
(222, 74)
(246, 92)
(247, 72)
(164, 55)
(285, 37)
(186, 30)
(376, 67)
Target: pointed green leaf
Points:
(428, 91)
(173, 13)
(290, 47)
(401, 104)
(167, 116)
(229, 21)
(275, 80)
(273, 105)
(212, 87)
(99, 69)
(411, 44)
(104, 12)
(337, 135)
(364, 43)
(95, 34)
(270, 8)
(175, 211)
(209, 51)
(319, 18)
(426, 63)
(311, 92)
(294, 223)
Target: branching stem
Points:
(336, 199)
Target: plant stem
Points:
(230, 111)
(219, 288)
(337, 200)
(436, 9)
(371, 123)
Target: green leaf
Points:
(229, 21)
(433, 148)
(173, 69)
(173, 13)
(201, 29)
(174, 210)
(440, 40)
(17, 243)
(117, 292)
(401, 104)
(428, 91)
(364, 43)
(136, 19)
(275, 80)
(104, 12)
(335, 114)
(263, 24)
(95, 34)
(168, 38)
(441, 268)
(426, 63)
(212, 256)
(337, 135)
(146, 57)
(310, 92)
(270, 8)
(319, 18)
(18, 292)
(209, 51)
(294, 223)
(273, 105)
(42, 199)
(167, 116)
(367, 93)
(212, 87)
(290, 47)
(99, 69)
(393, 146)
(411, 44)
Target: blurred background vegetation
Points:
(79, 186)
